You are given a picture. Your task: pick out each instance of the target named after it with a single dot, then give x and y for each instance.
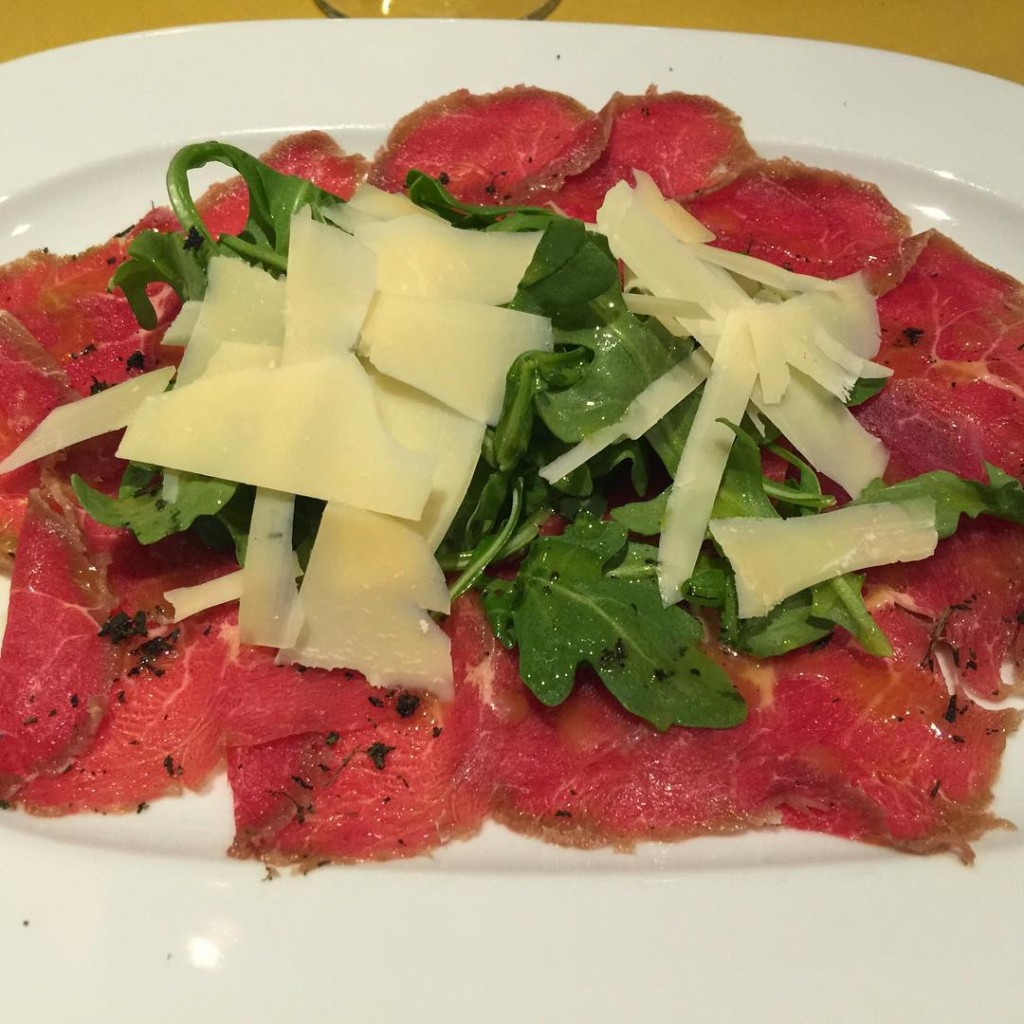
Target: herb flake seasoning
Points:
(377, 753)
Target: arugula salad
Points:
(570, 566)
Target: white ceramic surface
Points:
(143, 919)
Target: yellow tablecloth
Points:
(986, 35)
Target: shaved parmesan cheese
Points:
(189, 601)
(458, 352)
(826, 434)
(242, 303)
(369, 203)
(668, 311)
(769, 355)
(181, 327)
(368, 582)
(679, 221)
(426, 425)
(431, 259)
(662, 264)
(107, 410)
(330, 282)
(704, 457)
(643, 413)
(773, 558)
(310, 428)
(269, 613)
(231, 356)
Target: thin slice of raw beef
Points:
(953, 332)
(513, 146)
(812, 221)
(55, 672)
(186, 691)
(390, 789)
(32, 385)
(836, 741)
(686, 143)
(64, 304)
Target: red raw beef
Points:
(32, 385)
(55, 672)
(814, 222)
(186, 691)
(64, 304)
(686, 143)
(513, 146)
(311, 155)
(953, 332)
(836, 741)
(390, 789)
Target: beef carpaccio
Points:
(105, 705)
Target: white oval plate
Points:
(143, 918)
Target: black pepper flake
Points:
(136, 361)
(206, 632)
(563, 814)
(111, 260)
(5, 805)
(168, 764)
(957, 739)
(120, 697)
(912, 335)
(822, 641)
(436, 731)
(142, 807)
(331, 738)
(97, 386)
(120, 627)
(377, 753)
(301, 782)
(934, 791)
(950, 715)
(193, 240)
(151, 649)
(376, 702)
(407, 704)
(443, 178)
(122, 233)
(31, 720)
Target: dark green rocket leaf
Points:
(155, 258)
(148, 515)
(563, 611)
(1002, 496)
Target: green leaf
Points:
(147, 514)
(431, 194)
(155, 258)
(273, 200)
(1002, 496)
(564, 610)
(626, 358)
(865, 388)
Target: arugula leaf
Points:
(573, 278)
(155, 258)
(865, 388)
(431, 194)
(564, 610)
(273, 199)
(1002, 496)
(142, 510)
(626, 358)
(180, 258)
